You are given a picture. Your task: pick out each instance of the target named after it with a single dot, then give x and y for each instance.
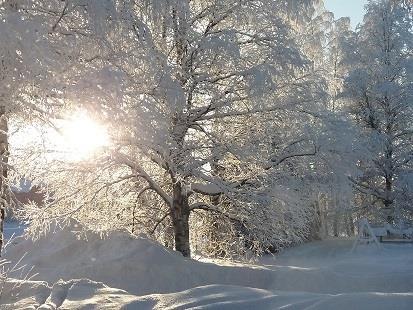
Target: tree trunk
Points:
(315, 230)
(389, 165)
(180, 219)
(322, 205)
(388, 202)
(349, 225)
(335, 224)
(3, 170)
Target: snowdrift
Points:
(73, 294)
(137, 265)
(124, 272)
(86, 295)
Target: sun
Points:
(76, 137)
(82, 136)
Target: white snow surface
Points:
(13, 228)
(123, 272)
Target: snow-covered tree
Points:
(13, 71)
(27, 63)
(324, 41)
(381, 92)
(195, 96)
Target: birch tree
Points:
(380, 89)
(26, 65)
(185, 89)
(12, 71)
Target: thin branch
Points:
(61, 16)
(365, 189)
(208, 207)
(276, 162)
(158, 222)
(152, 183)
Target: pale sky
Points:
(351, 8)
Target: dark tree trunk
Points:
(388, 202)
(180, 219)
(1, 228)
(3, 170)
(337, 216)
(349, 225)
(315, 228)
(336, 225)
(389, 165)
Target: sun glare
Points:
(78, 137)
(83, 136)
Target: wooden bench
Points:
(382, 233)
(388, 233)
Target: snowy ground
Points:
(13, 228)
(133, 273)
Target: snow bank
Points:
(86, 295)
(16, 294)
(73, 294)
(137, 265)
(321, 275)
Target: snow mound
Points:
(321, 275)
(73, 294)
(135, 264)
(16, 294)
(87, 295)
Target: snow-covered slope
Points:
(73, 294)
(85, 295)
(137, 265)
(140, 274)
(244, 298)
